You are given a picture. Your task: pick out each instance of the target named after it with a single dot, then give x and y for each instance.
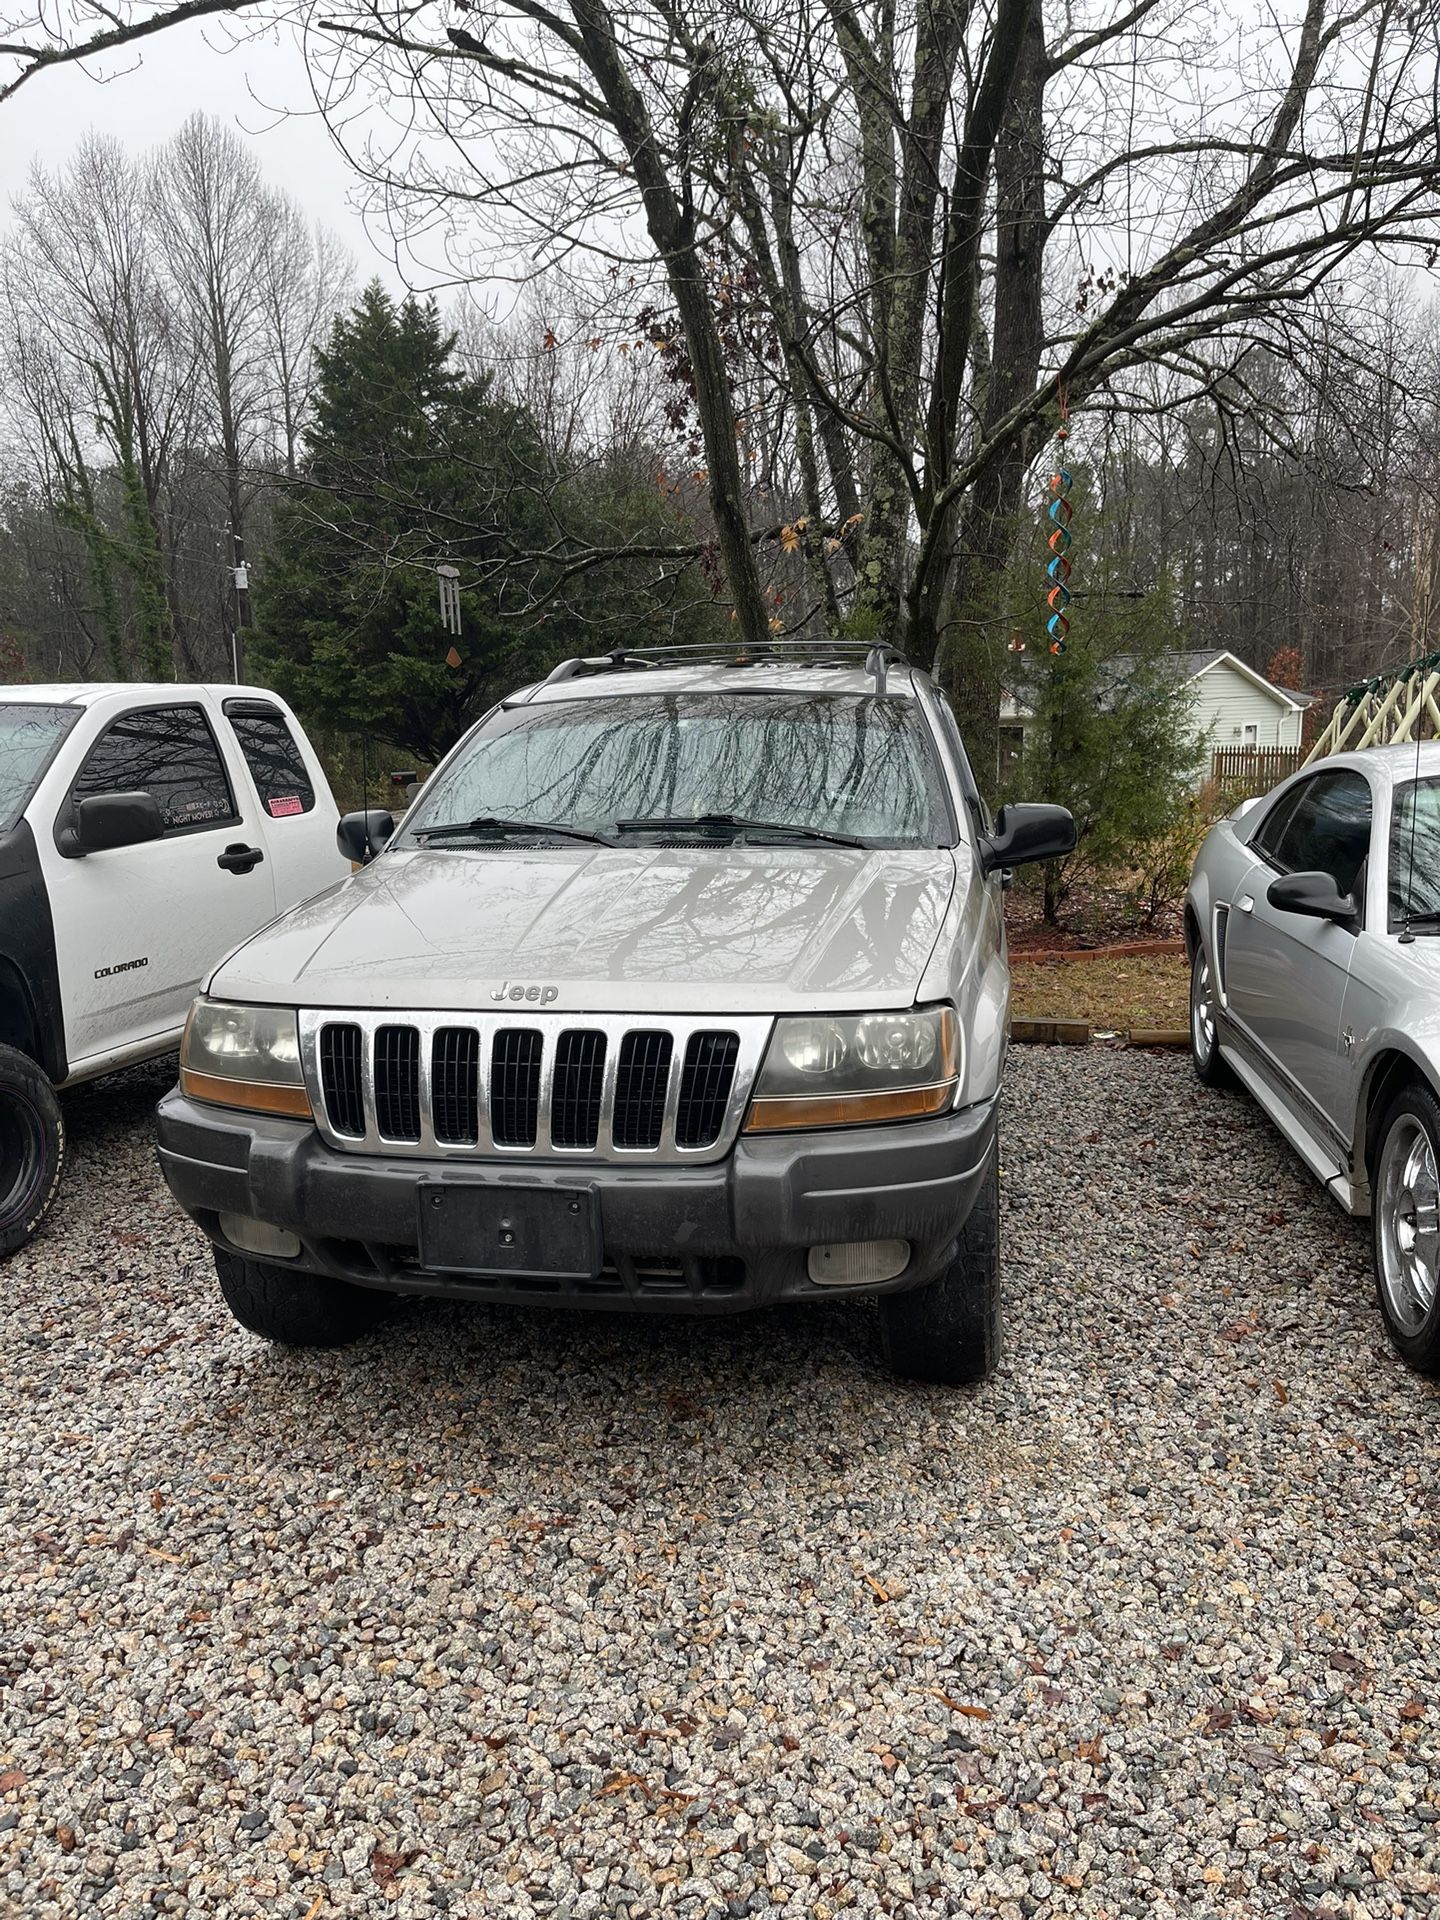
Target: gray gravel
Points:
(525, 1613)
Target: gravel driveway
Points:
(526, 1613)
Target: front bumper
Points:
(711, 1239)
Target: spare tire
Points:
(32, 1148)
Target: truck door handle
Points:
(240, 858)
(1246, 903)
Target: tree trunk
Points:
(972, 633)
(672, 231)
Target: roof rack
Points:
(807, 653)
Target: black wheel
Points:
(296, 1309)
(948, 1331)
(32, 1148)
(1405, 1224)
(1205, 1022)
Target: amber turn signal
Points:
(848, 1109)
(252, 1096)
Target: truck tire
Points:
(947, 1332)
(32, 1148)
(296, 1309)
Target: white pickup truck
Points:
(144, 832)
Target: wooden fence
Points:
(1244, 771)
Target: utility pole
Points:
(240, 577)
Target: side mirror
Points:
(1316, 896)
(360, 836)
(1023, 832)
(106, 820)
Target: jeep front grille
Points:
(340, 1078)
(546, 1085)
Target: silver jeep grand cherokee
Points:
(681, 987)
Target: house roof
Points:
(1190, 665)
(1197, 664)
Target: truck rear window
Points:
(273, 757)
(29, 734)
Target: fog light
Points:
(259, 1237)
(851, 1263)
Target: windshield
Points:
(28, 736)
(851, 765)
(1414, 885)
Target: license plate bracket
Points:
(495, 1232)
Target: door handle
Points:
(240, 858)
(1246, 903)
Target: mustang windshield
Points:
(858, 767)
(28, 736)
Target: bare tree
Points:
(912, 232)
(33, 38)
(155, 372)
(305, 277)
(110, 362)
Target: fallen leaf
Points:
(959, 1706)
(619, 1784)
(880, 1593)
(315, 1905)
(1412, 1710)
(65, 1839)
(11, 1780)
(385, 1868)
(1282, 1392)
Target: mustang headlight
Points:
(850, 1070)
(247, 1057)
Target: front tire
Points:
(1405, 1226)
(947, 1333)
(296, 1309)
(1210, 1069)
(32, 1148)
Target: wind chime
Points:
(450, 609)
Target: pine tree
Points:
(408, 464)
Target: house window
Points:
(1250, 734)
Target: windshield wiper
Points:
(737, 823)
(1427, 922)
(493, 823)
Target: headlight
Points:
(854, 1069)
(244, 1057)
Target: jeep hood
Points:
(737, 929)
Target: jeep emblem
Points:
(512, 990)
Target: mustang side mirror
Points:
(1024, 832)
(360, 836)
(106, 820)
(1316, 896)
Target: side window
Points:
(169, 752)
(1266, 837)
(273, 757)
(1328, 830)
(974, 799)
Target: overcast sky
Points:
(258, 87)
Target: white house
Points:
(1231, 705)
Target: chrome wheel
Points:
(1408, 1224)
(1202, 1008)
